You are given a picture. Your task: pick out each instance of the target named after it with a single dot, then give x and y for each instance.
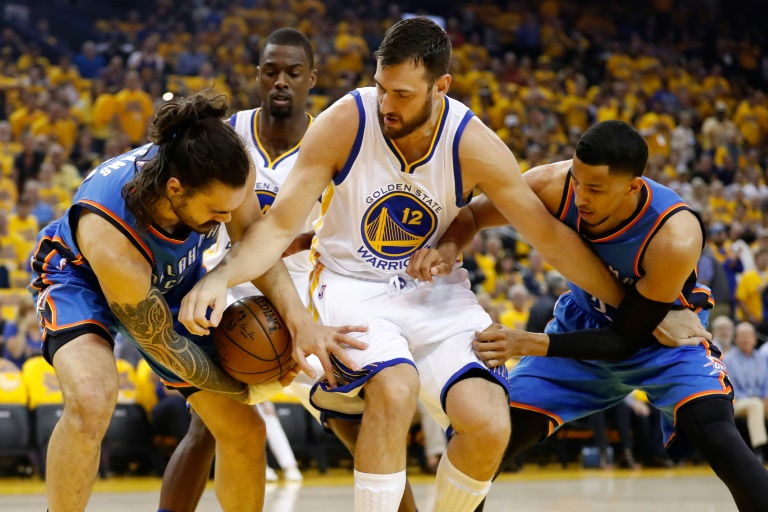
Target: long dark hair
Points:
(194, 146)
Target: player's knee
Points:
(394, 392)
(91, 408)
(487, 424)
(247, 433)
(487, 419)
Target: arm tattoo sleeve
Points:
(150, 322)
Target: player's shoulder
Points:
(548, 182)
(343, 118)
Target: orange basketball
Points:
(253, 342)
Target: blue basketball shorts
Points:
(568, 389)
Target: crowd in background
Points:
(690, 76)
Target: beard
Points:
(407, 127)
(282, 111)
(182, 212)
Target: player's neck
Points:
(164, 217)
(622, 214)
(417, 143)
(278, 136)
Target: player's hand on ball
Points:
(209, 293)
(426, 263)
(311, 338)
(496, 344)
(681, 328)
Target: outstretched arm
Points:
(324, 149)
(487, 162)
(669, 262)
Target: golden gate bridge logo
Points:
(397, 225)
(266, 198)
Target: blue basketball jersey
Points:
(172, 257)
(623, 248)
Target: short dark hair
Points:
(420, 40)
(615, 144)
(289, 37)
(194, 146)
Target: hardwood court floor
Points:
(677, 490)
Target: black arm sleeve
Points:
(636, 319)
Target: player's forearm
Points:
(562, 248)
(276, 284)
(259, 250)
(150, 323)
(461, 231)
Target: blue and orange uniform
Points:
(568, 389)
(68, 295)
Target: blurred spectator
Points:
(84, 156)
(717, 130)
(683, 140)
(534, 276)
(22, 222)
(147, 58)
(750, 290)
(66, 175)
(723, 331)
(728, 259)
(58, 125)
(24, 116)
(89, 63)
(191, 59)
(748, 373)
(134, 109)
(39, 209)
(711, 273)
(27, 164)
(515, 316)
(543, 308)
(471, 264)
(22, 336)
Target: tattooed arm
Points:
(125, 278)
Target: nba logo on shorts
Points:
(321, 292)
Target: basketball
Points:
(253, 342)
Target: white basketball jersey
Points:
(381, 209)
(270, 175)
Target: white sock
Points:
(457, 492)
(378, 493)
(278, 442)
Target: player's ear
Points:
(443, 83)
(312, 78)
(174, 187)
(636, 185)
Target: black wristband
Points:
(636, 319)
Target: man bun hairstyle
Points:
(194, 146)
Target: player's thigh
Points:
(78, 329)
(442, 366)
(230, 422)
